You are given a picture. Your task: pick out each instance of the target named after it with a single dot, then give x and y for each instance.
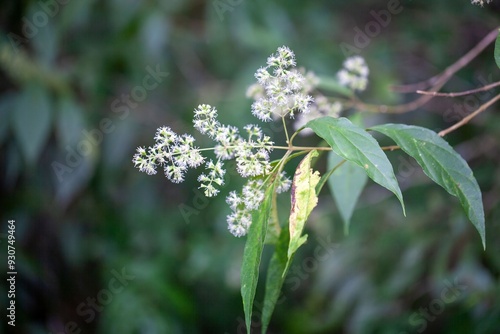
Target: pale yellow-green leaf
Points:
(304, 200)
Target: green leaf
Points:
(356, 145)
(304, 199)
(7, 104)
(346, 184)
(71, 183)
(497, 50)
(275, 277)
(273, 224)
(253, 253)
(443, 165)
(70, 122)
(31, 121)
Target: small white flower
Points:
(233, 200)
(284, 183)
(205, 120)
(295, 80)
(253, 131)
(165, 135)
(215, 176)
(262, 109)
(238, 225)
(242, 205)
(344, 77)
(282, 88)
(354, 74)
(286, 57)
(320, 108)
(262, 76)
(175, 173)
(480, 2)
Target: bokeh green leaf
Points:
(346, 185)
(32, 121)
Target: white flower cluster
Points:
(321, 107)
(480, 2)
(252, 154)
(280, 92)
(354, 74)
(175, 153)
(248, 200)
(282, 88)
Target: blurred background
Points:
(103, 248)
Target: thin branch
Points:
(432, 81)
(442, 133)
(466, 119)
(456, 94)
(411, 88)
(302, 148)
(390, 148)
(437, 81)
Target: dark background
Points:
(65, 75)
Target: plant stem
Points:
(286, 131)
(302, 148)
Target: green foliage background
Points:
(104, 215)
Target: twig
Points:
(390, 148)
(466, 119)
(456, 94)
(411, 88)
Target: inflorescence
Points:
(282, 87)
(280, 91)
(480, 2)
(354, 74)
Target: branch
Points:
(466, 119)
(437, 81)
(455, 126)
(456, 94)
